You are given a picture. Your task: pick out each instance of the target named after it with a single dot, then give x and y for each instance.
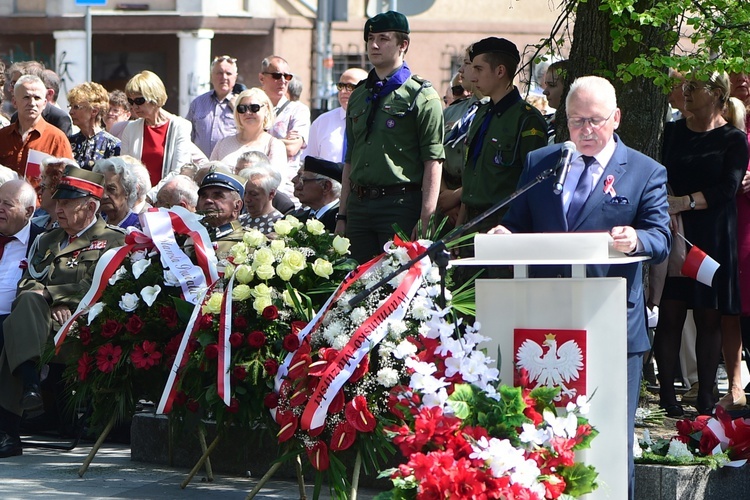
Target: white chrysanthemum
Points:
(387, 377)
(433, 275)
(340, 342)
(358, 315)
(404, 349)
(679, 450)
(385, 349)
(119, 274)
(396, 329)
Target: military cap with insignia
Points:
(495, 44)
(77, 183)
(320, 166)
(226, 181)
(387, 21)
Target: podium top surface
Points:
(546, 248)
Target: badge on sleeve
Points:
(390, 123)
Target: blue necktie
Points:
(583, 189)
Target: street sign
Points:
(91, 2)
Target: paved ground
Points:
(51, 474)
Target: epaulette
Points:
(422, 81)
(117, 228)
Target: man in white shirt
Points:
(327, 132)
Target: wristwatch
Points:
(692, 202)
(341, 217)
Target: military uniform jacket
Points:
(517, 129)
(67, 274)
(406, 132)
(226, 236)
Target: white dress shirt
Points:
(327, 136)
(11, 268)
(576, 169)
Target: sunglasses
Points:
(229, 59)
(349, 87)
(277, 76)
(244, 108)
(138, 101)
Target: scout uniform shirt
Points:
(516, 129)
(406, 132)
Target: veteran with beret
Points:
(317, 185)
(220, 201)
(60, 270)
(504, 130)
(394, 138)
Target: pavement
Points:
(52, 474)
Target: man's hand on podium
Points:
(624, 238)
(498, 230)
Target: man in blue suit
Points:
(610, 187)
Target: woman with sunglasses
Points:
(159, 139)
(254, 115)
(88, 103)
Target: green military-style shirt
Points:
(455, 153)
(512, 134)
(406, 132)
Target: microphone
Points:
(563, 166)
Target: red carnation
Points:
(192, 405)
(107, 357)
(270, 313)
(110, 328)
(239, 372)
(256, 339)
(236, 339)
(234, 406)
(145, 355)
(84, 333)
(212, 351)
(271, 366)
(271, 400)
(240, 322)
(134, 325)
(291, 342)
(169, 315)
(84, 366)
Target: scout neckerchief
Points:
(381, 88)
(475, 148)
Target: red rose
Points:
(134, 325)
(271, 400)
(212, 351)
(84, 333)
(270, 313)
(271, 366)
(192, 346)
(192, 405)
(169, 315)
(256, 339)
(239, 372)
(170, 350)
(234, 406)
(206, 321)
(291, 342)
(110, 328)
(298, 325)
(240, 322)
(236, 339)
(180, 398)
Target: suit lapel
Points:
(615, 168)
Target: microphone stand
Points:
(438, 252)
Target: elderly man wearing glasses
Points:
(212, 113)
(328, 130)
(318, 186)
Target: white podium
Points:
(583, 319)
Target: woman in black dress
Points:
(705, 159)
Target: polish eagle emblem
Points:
(551, 366)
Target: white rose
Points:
(295, 259)
(244, 274)
(262, 290)
(277, 245)
(170, 279)
(229, 270)
(294, 221)
(261, 303)
(314, 226)
(238, 253)
(241, 292)
(254, 238)
(322, 268)
(213, 304)
(282, 227)
(288, 299)
(285, 272)
(265, 272)
(341, 245)
(263, 257)
(129, 302)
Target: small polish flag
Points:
(34, 164)
(699, 266)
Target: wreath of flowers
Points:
(273, 285)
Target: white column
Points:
(70, 62)
(195, 65)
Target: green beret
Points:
(495, 44)
(387, 21)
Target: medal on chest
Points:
(73, 260)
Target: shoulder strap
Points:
(283, 107)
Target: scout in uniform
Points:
(394, 137)
(59, 273)
(503, 132)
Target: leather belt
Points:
(375, 192)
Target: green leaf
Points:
(579, 478)
(184, 309)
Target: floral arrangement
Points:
(119, 350)
(712, 441)
(273, 286)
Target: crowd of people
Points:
(391, 154)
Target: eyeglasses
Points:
(594, 123)
(138, 101)
(277, 76)
(228, 59)
(244, 108)
(692, 87)
(303, 180)
(349, 87)
(76, 106)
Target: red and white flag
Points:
(699, 266)
(34, 164)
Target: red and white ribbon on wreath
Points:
(187, 223)
(225, 348)
(362, 341)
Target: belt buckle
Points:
(373, 193)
